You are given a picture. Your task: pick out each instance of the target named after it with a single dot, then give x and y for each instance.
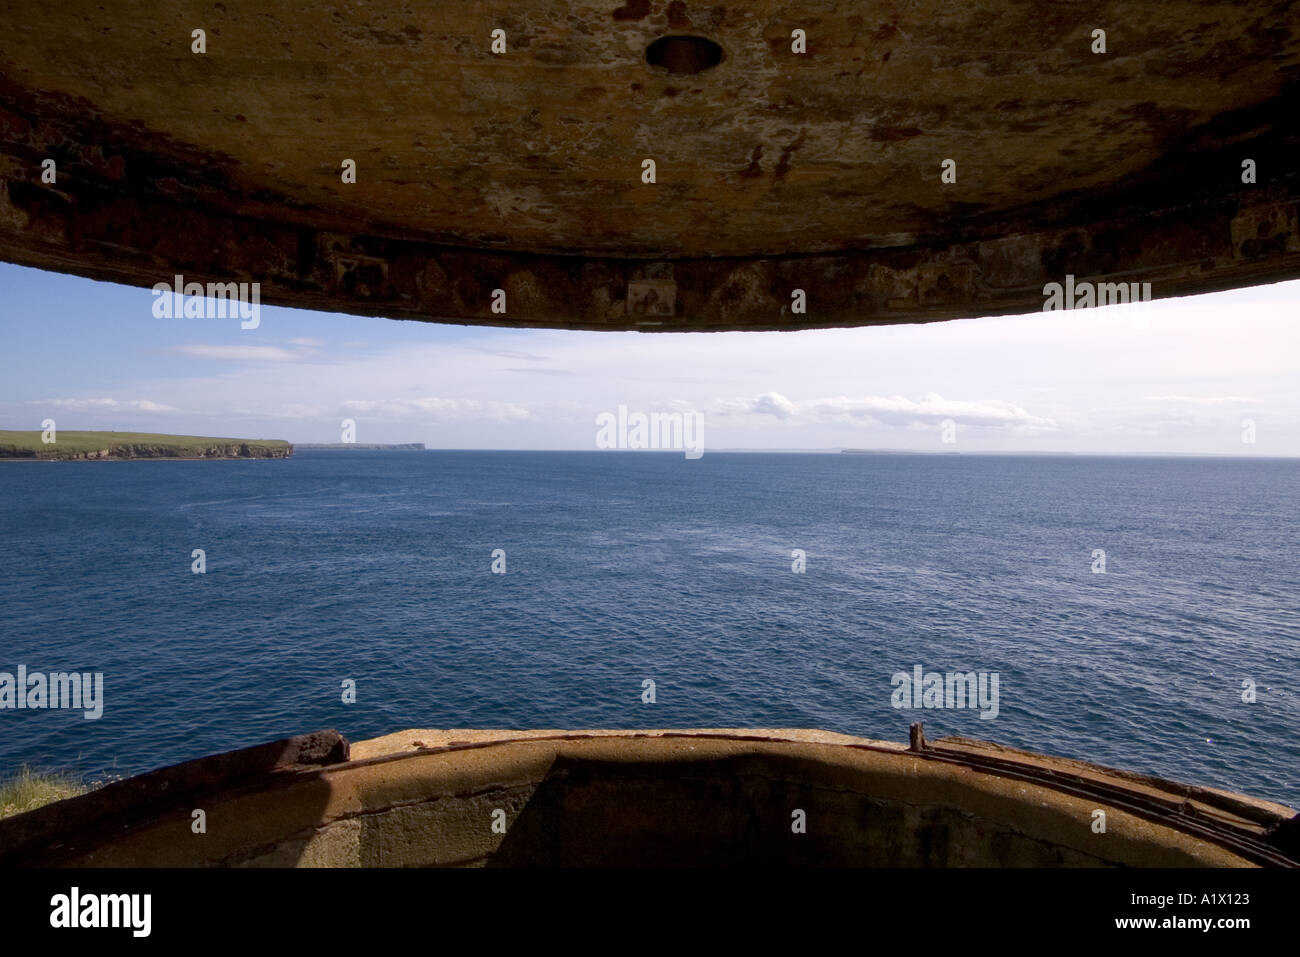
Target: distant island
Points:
(895, 452)
(406, 447)
(1044, 453)
(109, 446)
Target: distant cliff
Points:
(83, 446)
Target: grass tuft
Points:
(28, 790)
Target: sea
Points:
(1141, 613)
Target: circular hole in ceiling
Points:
(683, 54)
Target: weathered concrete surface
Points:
(76, 825)
(424, 739)
(775, 171)
(665, 797)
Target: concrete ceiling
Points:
(522, 170)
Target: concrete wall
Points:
(427, 798)
(776, 170)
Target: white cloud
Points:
(437, 409)
(1202, 400)
(933, 409)
(773, 403)
(895, 410)
(106, 405)
(239, 353)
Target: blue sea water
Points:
(623, 566)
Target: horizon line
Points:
(833, 450)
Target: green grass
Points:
(28, 790)
(68, 441)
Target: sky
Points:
(1191, 375)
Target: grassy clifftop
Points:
(137, 445)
